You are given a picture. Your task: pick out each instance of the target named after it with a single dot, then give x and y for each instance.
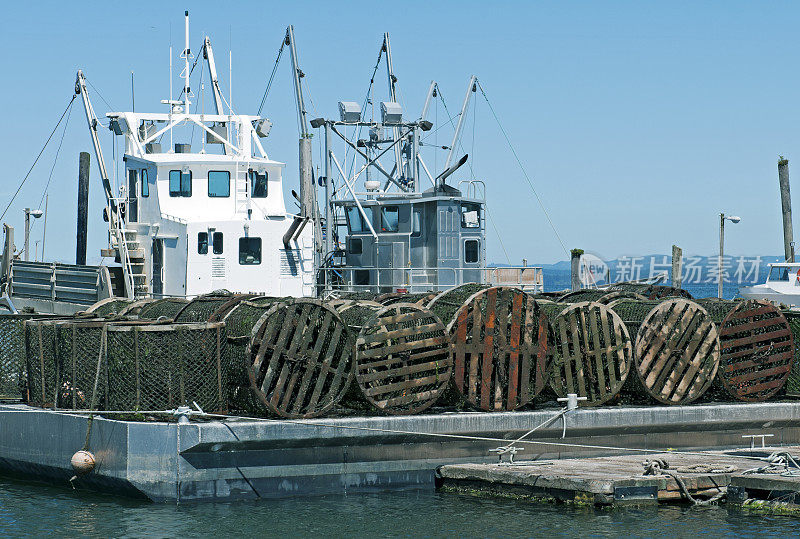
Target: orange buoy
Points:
(82, 462)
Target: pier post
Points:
(786, 208)
(677, 266)
(575, 266)
(83, 208)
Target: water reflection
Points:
(32, 509)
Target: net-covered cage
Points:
(592, 352)
(164, 308)
(301, 359)
(239, 325)
(404, 359)
(793, 380)
(677, 348)
(652, 291)
(446, 304)
(756, 347)
(13, 360)
(202, 308)
(162, 366)
(421, 298)
(501, 339)
(133, 308)
(600, 295)
(108, 307)
(42, 347)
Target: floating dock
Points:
(621, 479)
(214, 460)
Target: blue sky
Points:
(638, 122)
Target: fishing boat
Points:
(186, 219)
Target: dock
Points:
(625, 480)
(238, 459)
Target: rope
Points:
(778, 462)
(661, 467)
(524, 172)
(69, 105)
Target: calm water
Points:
(42, 510)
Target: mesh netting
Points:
(447, 304)
(13, 364)
(653, 291)
(203, 308)
(717, 309)
(583, 295)
(162, 308)
(109, 306)
(239, 325)
(793, 382)
(42, 361)
(159, 367)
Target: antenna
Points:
(133, 98)
(186, 53)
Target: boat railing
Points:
(419, 279)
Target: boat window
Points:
(249, 251)
(132, 183)
(779, 274)
(470, 215)
(390, 217)
(180, 183)
(217, 243)
(145, 185)
(416, 223)
(258, 184)
(219, 183)
(202, 243)
(355, 220)
(471, 251)
(354, 246)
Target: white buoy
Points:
(82, 462)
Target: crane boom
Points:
(297, 74)
(459, 126)
(92, 121)
(208, 54)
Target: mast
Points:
(393, 98)
(186, 70)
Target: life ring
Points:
(797, 280)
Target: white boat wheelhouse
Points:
(186, 223)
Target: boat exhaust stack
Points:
(786, 208)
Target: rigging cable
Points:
(272, 76)
(69, 105)
(472, 171)
(524, 172)
(52, 169)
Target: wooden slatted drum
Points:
(404, 359)
(592, 353)
(677, 351)
(500, 341)
(757, 351)
(303, 363)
